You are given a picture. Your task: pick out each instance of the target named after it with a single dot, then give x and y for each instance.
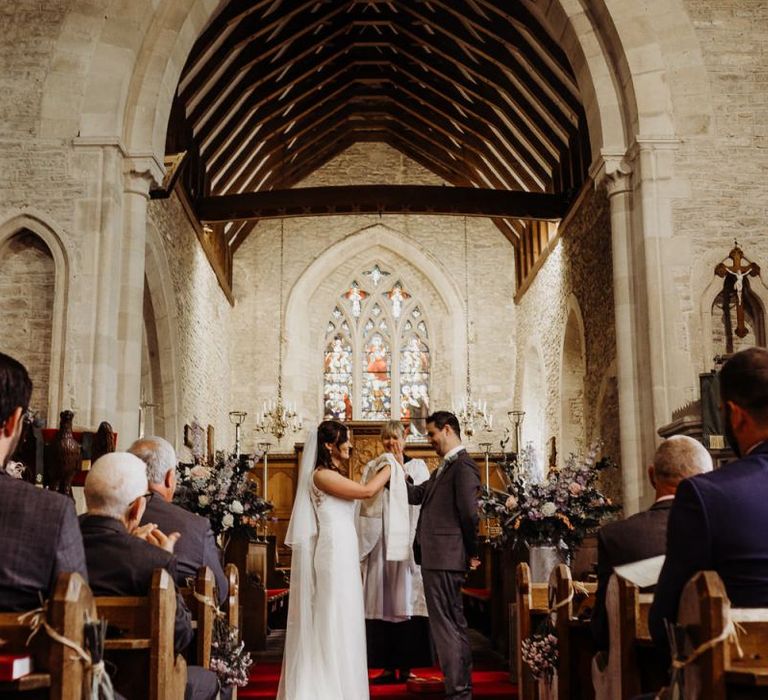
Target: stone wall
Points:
(724, 163)
(27, 283)
(321, 254)
(199, 321)
(576, 278)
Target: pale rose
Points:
(236, 507)
(227, 521)
(575, 488)
(203, 500)
(510, 503)
(548, 509)
(200, 472)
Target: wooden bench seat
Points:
(140, 643)
(57, 671)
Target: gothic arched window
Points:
(377, 358)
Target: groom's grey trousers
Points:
(442, 590)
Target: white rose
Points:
(203, 500)
(236, 507)
(548, 509)
(227, 521)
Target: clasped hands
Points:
(154, 535)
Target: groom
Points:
(446, 545)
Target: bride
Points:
(325, 655)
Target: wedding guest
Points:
(446, 546)
(718, 520)
(122, 557)
(397, 628)
(197, 546)
(39, 536)
(644, 535)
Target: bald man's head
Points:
(115, 481)
(679, 457)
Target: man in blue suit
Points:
(719, 520)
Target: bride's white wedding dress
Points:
(339, 609)
(325, 653)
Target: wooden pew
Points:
(147, 666)
(719, 672)
(200, 606)
(530, 602)
(57, 673)
(250, 557)
(630, 642)
(574, 637)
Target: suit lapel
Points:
(435, 479)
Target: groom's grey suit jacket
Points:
(446, 534)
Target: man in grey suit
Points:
(122, 557)
(446, 546)
(644, 535)
(39, 535)
(197, 546)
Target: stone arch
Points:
(161, 337)
(48, 232)
(573, 371)
(370, 242)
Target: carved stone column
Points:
(140, 173)
(635, 412)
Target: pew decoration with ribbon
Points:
(224, 493)
(559, 508)
(97, 684)
(229, 659)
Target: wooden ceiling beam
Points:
(538, 160)
(302, 57)
(506, 39)
(542, 138)
(390, 199)
(269, 131)
(526, 104)
(204, 81)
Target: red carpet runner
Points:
(489, 684)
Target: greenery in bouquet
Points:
(229, 659)
(561, 509)
(223, 493)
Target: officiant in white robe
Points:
(395, 610)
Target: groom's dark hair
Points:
(443, 418)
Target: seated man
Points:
(719, 520)
(197, 546)
(122, 560)
(644, 535)
(39, 536)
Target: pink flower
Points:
(511, 503)
(200, 472)
(575, 488)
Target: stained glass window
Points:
(377, 359)
(337, 379)
(376, 389)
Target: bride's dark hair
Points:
(333, 432)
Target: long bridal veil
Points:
(301, 677)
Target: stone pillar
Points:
(140, 173)
(632, 355)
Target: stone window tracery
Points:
(377, 356)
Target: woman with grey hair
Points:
(397, 628)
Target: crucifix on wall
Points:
(733, 281)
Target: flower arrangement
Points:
(560, 510)
(540, 654)
(229, 660)
(223, 493)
